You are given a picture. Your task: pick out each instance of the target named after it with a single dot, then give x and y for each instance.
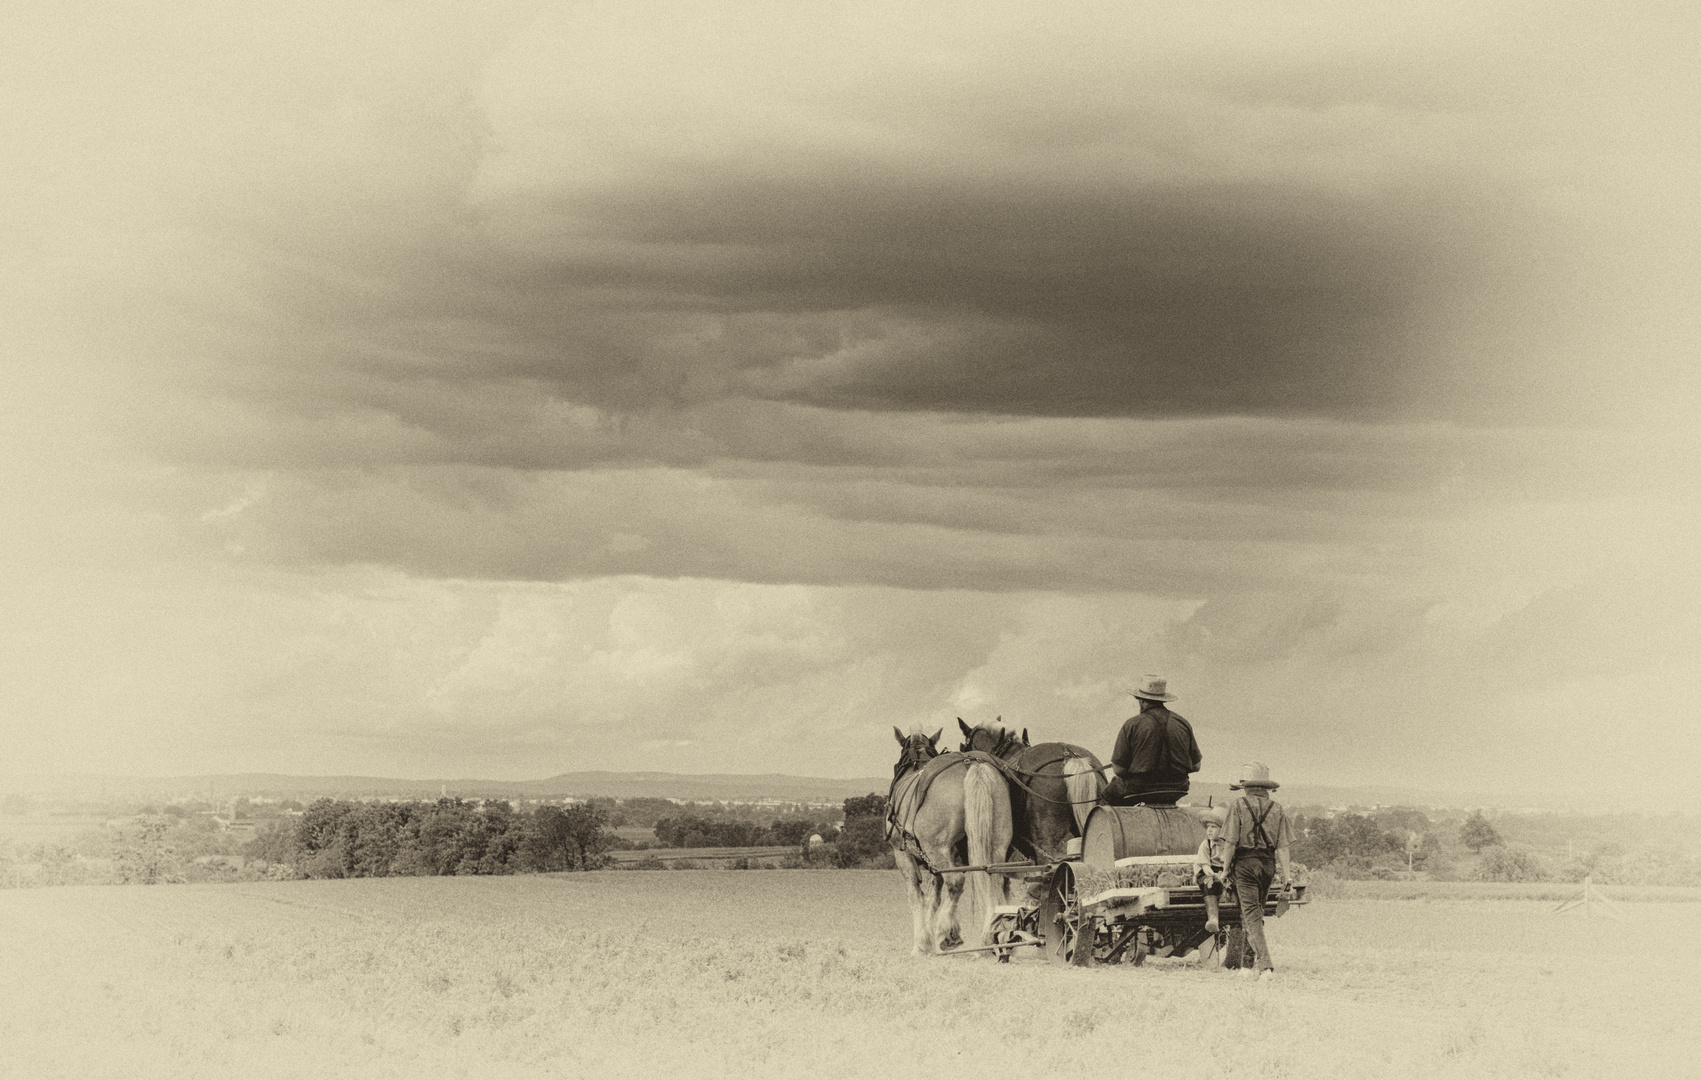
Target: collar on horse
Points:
(917, 752)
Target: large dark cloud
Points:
(1068, 232)
(1101, 300)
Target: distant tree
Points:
(862, 842)
(373, 836)
(644, 812)
(57, 864)
(439, 836)
(1477, 833)
(273, 844)
(1427, 852)
(494, 841)
(1502, 863)
(1320, 841)
(1401, 820)
(792, 831)
(320, 839)
(570, 838)
(869, 805)
(143, 854)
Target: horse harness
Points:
(913, 794)
(1007, 742)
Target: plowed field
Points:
(801, 974)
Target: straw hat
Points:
(1152, 688)
(1255, 774)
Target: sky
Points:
(505, 389)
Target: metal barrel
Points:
(1116, 832)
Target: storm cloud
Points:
(526, 374)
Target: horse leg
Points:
(919, 907)
(950, 931)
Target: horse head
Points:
(991, 738)
(918, 749)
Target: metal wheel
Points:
(1067, 932)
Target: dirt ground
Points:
(801, 973)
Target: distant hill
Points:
(686, 786)
(728, 787)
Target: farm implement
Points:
(1106, 905)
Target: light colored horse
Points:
(943, 811)
(1053, 787)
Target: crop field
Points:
(802, 974)
(707, 856)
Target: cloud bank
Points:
(486, 357)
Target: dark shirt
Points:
(1157, 744)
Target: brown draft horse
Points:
(1054, 787)
(946, 810)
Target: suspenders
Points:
(1258, 820)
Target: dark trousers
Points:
(1252, 873)
(1157, 791)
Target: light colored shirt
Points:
(1211, 856)
(1238, 830)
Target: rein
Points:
(1007, 743)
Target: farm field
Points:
(800, 973)
(720, 854)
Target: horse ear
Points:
(968, 731)
(934, 738)
(898, 735)
(1025, 741)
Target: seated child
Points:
(1208, 870)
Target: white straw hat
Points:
(1152, 689)
(1255, 774)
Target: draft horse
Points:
(1053, 787)
(946, 810)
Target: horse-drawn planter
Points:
(1120, 890)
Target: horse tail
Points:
(988, 827)
(1084, 783)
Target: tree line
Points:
(338, 838)
(690, 831)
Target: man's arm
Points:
(1284, 837)
(1231, 837)
(1123, 753)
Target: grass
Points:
(1545, 891)
(798, 973)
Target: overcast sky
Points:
(500, 390)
